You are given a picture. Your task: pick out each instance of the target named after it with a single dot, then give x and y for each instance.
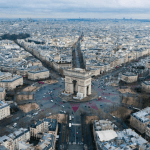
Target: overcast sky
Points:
(139, 9)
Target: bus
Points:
(69, 125)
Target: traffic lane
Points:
(72, 134)
(65, 140)
(78, 134)
(60, 135)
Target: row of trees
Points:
(15, 36)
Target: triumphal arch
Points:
(78, 81)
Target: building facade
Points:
(129, 77)
(108, 138)
(47, 125)
(11, 141)
(37, 75)
(140, 120)
(4, 110)
(2, 93)
(146, 86)
(11, 83)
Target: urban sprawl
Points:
(69, 84)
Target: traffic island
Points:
(69, 97)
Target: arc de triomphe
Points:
(78, 80)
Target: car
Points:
(52, 101)
(15, 124)
(63, 106)
(35, 114)
(64, 112)
(50, 113)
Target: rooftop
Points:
(51, 123)
(146, 82)
(100, 125)
(106, 135)
(47, 141)
(13, 135)
(18, 133)
(3, 104)
(1, 89)
(129, 74)
(142, 115)
(126, 139)
(15, 77)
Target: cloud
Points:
(63, 7)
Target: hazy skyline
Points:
(136, 9)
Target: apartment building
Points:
(108, 137)
(25, 146)
(126, 139)
(4, 110)
(38, 74)
(140, 120)
(47, 142)
(4, 75)
(103, 125)
(11, 141)
(2, 93)
(46, 125)
(129, 77)
(22, 71)
(146, 86)
(12, 82)
(147, 132)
